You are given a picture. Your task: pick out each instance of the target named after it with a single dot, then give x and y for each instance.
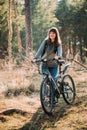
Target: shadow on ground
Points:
(40, 120)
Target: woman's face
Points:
(52, 36)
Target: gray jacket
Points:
(41, 50)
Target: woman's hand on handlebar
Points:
(57, 57)
(34, 60)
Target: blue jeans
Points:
(53, 71)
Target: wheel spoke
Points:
(46, 97)
(68, 89)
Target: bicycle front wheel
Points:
(68, 88)
(46, 96)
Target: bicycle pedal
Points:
(55, 101)
(55, 104)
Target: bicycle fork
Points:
(55, 87)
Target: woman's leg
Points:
(53, 71)
(44, 69)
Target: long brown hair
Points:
(57, 39)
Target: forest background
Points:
(24, 25)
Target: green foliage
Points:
(19, 20)
(3, 27)
(42, 19)
(72, 16)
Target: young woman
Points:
(51, 47)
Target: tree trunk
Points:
(85, 44)
(18, 32)
(10, 33)
(74, 46)
(28, 27)
(81, 51)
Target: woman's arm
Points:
(59, 50)
(40, 50)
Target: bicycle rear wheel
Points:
(68, 88)
(46, 96)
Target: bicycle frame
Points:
(48, 75)
(51, 89)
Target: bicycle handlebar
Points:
(59, 61)
(38, 61)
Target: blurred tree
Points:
(72, 15)
(17, 30)
(10, 32)
(28, 26)
(69, 16)
(42, 19)
(3, 28)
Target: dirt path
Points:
(65, 117)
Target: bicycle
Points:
(64, 85)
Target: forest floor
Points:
(20, 107)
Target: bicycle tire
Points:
(46, 96)
(68, 88)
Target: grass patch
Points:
(19, 91)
